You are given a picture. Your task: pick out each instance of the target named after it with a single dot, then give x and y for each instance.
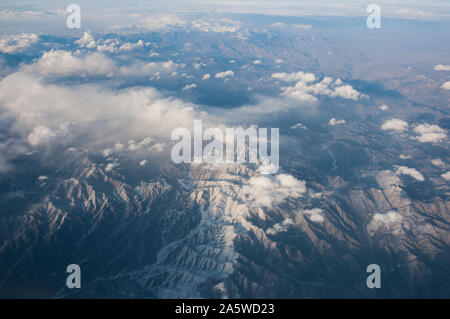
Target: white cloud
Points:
(404, 157)
(395, 125)
(299, 125)
(280, 227)
(257, 62)
(384, 107)
(403, 170)
(127, 46)
(446, 85)
(446, 176)
(144, 69)
(334, 122)
(390, 220)
(430, 133)
(40, 135)
(87, 41)
(189, 87)
(223, 26)
(42, 178)
(65, 63)
(294, 77)
(110, 166)
(305, 91)
(222, 75)
(99, 116)
(441, 67)
(315, 215)
(17, 43)
(438, 162)
(143, 163)
(207, 76)
(267, 191)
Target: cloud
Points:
(207, 76)
(446, 176)
(384, 107)
(222, 75)
(223, 26)
(305, 91)
(17, 43)
(395, 125)
(40, 135)
(446, 85)
(110, 166)
(143, 163)
(299, 125)
(64, 63)
(403, 170)
(86, 41)
(294, 77)
(267, 191)
(389, 220)
(334, 122)
(127, 46)
(315, 215)
(429, 133)
(92, 115)
(441, 67)
(145, 69)
(280, 227)
(438, 162)
(189, 87)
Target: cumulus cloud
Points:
(441, 67)
(97, 116)
(384, 107)
(395, 125)
(110, 166)
(294, 77)
(280, 227)
(430, 133)
(267, 191)
(438, 162)
(143, 163)
(446, 176)
(334, 122)
(222, 75)
(64, 63)
(207, 76)
(223, 26)
(128, 46)
(389, 220)
(144, 69)
(17, 43)
(189, 87)
(446, 85)
(315, 215)
(403, 170)
(87, 41)
(299, 125)
(306, 91)
(40, 135)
